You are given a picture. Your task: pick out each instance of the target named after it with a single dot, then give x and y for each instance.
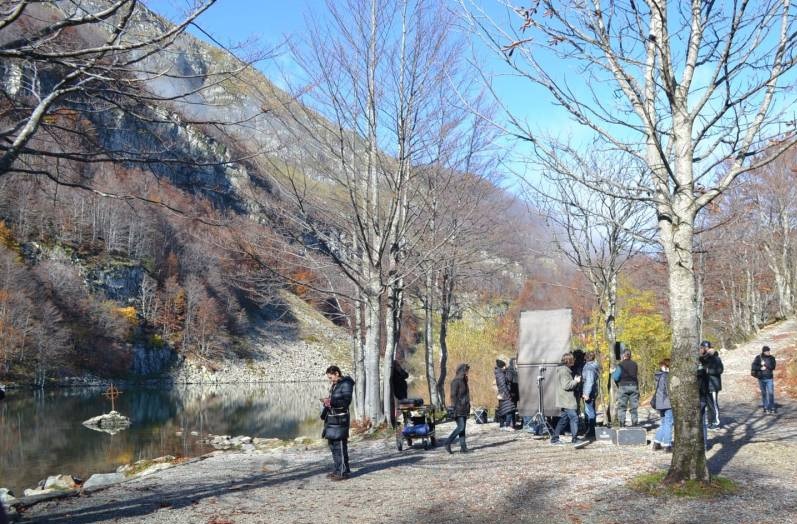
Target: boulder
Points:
(109, 422)
(99, 480)
(6, 497)
(60, 482)
(37, 491)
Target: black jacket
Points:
(714, 369)
(628, 375)
(398, 381)
(702, 378)
(769, 362)
(336, 416)
(505, 405)
(460, 394)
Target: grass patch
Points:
(652, 484)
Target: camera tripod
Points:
(539, 419)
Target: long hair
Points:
(568, 359)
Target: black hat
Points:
(765, 349)
(705, 344)
(500, 363)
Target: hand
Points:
(578, 378)
(327, 402)
(585, 397)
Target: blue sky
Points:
(272, 22)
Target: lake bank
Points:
(510, 476)
(41, 432)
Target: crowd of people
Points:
(576, 384)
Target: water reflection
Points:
(41, 432)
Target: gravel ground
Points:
(509, 477)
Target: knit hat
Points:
(705, 344)
(765, 349)
(500, 363)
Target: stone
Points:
(37, 491)
(60, 482)
(99, 480)
(7, 497)
(111, 422)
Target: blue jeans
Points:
(459, 431)
(509, 420)
(767, 386)
(704, 420)
(567, 415)
(664, 433)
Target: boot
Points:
(463, 447)
(656, 446)
(448, 447)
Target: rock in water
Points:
(109, 422)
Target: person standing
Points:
(661, 403)
(590, 373)
(336, 421)
(702, 389)
(460, 400)
(506, 407)
(398, 386)
(625, 375)
(763, 369)
(566, 400)
(714, 369)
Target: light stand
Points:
(539, 419)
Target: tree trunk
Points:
(445, 314)
(689, 456)
(373, 401)
(358, 353)
(611, 339)
(428, 341)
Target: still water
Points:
(41, 432)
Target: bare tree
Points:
(597, 231)
(368, 126)
(691, 90)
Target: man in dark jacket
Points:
(336, 421)
(625, 375)
(763, 369)
(398, 385)
(460, 401)
(714, 369)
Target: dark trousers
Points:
(340, 455)
(459, 431)
(567, 415)
(589, 412)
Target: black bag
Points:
(336, 426)
(755, 373)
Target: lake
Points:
(41, 432)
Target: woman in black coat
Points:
(460, 401)
(506, 406)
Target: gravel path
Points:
(510, 477)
